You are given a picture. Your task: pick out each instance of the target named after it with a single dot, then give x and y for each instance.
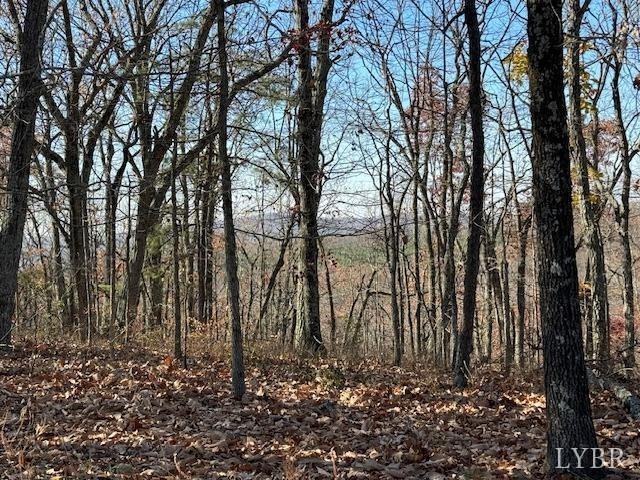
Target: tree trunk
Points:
(312, 91)
(156, 280)
(187, 247)
(205, 251)
(565, 377)
(417, 271)
(476, 200)
(587, 309)
(145, 221)
(77, 247)
(490, 310)
(113, 191)
(332, 308)
(493, 278)
(589, 201)
(22, 143)
(392, 242)
(523, 234)
(230, 252)
(509, 326)
(433, 284)
(177, 311)
(449, 308)
(309, 334)
(61, 287)
(622, 216)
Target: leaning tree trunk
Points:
(472, 260)
(629, 400)
(22, 143)
(565, 376)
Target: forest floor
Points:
(101, 413)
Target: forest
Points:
(306, 239)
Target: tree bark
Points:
(22, 143)
(205, 251)
(565, 377)
(476, 200)
(589, 202)
(188, 252)
(392, 241)
(230, 251)
(332, 308)
(309, 334)
(622, 213)
(312, 90)
(523, 233)
(155, 277)
(113, 192)
(417, 275)
(177, 311)
(61, 288)
(509, 324)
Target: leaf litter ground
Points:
(70, 413)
